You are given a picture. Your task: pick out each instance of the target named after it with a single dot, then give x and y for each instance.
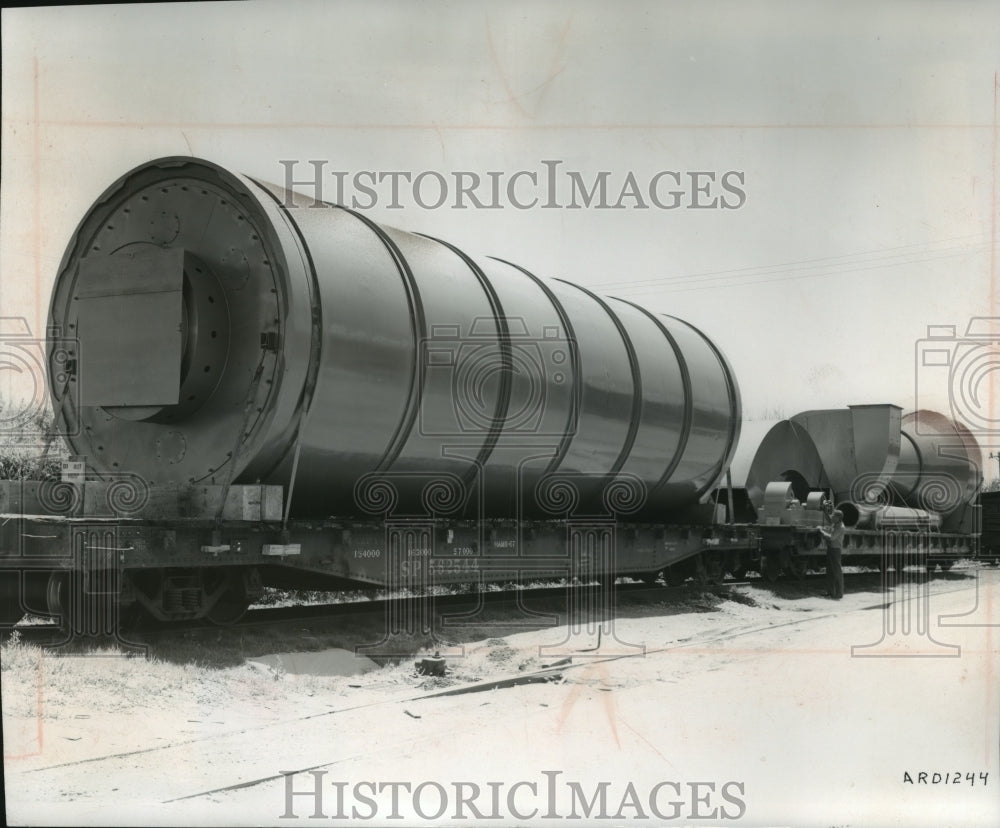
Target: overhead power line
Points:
(800, 269)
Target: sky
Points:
(860, 140)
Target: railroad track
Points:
(410, 606)
(547, 603)
(710, 639)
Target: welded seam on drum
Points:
(633, 362)
(506, 358)
(685, 434)
(735, 409)
(576, 399)
(316, 317)
(417, 375)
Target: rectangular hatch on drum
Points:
(130, 326)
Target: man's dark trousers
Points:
(834, 573)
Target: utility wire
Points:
(749, 277)
(800, 267)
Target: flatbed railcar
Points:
(185, 567)
(191, 567)
(262, 388)
(990, 536)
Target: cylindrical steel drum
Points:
(940, 466)
(225, 330)
(861, 516)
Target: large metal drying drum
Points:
(225, 330)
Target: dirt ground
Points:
(772, 707)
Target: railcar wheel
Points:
(650, 578)
(232, 602)
(10, 598)
(674, 576)
(715, 572)
(772, 568)
(57, 596)
(740, 573)
(797, 567)
(84, 603)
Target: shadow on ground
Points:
(368, 633)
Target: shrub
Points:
(30, 447)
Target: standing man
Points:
(834, 544)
